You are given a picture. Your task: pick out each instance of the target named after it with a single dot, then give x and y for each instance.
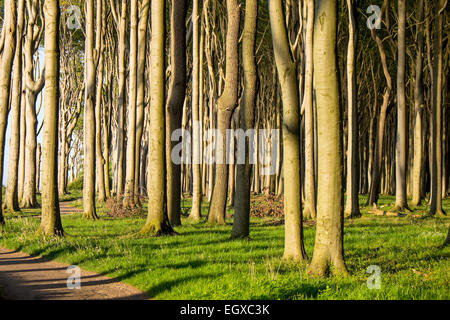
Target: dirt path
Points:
(24, 277)
(66, 207)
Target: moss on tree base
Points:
(90, 215)
(157, 230)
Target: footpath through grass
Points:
(202, 263)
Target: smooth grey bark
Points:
(196, 139)
(175, 102)
(436, 116)
(129, 200)
(352, 201)
(241, 223)
(11, 195)
(157, 220)
(120, 18)
(417, 190)
(226, 105)
(6, 62)
(309, 210)
(294, 248)
(400, 147)
(89, 208)
(51, 219)
(140, 98)
(329, 244)
(32, 89)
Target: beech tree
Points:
(157, 219)
(11, 195)
(226, 105)
(329, 246)
(89, 116)
(241, 220)
(51, 219)
(293, 243)
(6, 62)
(175, 102)
(32, 88)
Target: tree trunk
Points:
(247, 115)
(89, 118)
(157, 220)
(400, 149)
(21, 173)
(128, 200)
(329, 246)
(417, 192)
(38, 165)
(226, 106)
(196, 139)
(51, 219)
(6, 62)
(436, 114)
(32, 89)
(140, 98)
(11, 198)
(121, 21)
(352, 201)
(293, 242)
(175, 101)
(309, 211)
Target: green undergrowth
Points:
(201, 262)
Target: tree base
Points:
(156, 230)
(91, 215)
(237, 236)
(437, 213)
(352, 214)
(301, 258)
(53, 232)
(321, 268)
(29, 204)
(12, 210)
(400, 208)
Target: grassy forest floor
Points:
(201, 262)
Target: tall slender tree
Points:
(6, 63)
(140, 96)
(309, 210)
(157, 219)
(225, 107)
(352, 200)
(128, 200)
(51, 218)
(417, 190)
(11, 195)
(89, 117)
(293, 240)
(436, 115)
(175, 102)
(247, 118)
(196, 139)
(400, 147)
(329, 244)
(119, 13)
(32, 88)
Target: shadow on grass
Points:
(306, 290)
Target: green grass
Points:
(202, 263)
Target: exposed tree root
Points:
(156, 230)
